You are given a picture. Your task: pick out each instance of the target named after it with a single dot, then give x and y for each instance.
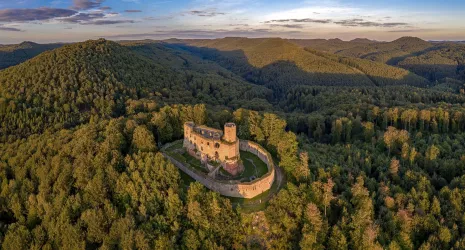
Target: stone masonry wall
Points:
(236, 188)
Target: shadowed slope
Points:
(448, 60)
(276, 63)
(388, 52)
(69, 85)
(331, 45)
(381, 74)
(11, 55)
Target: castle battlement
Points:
(210, 144)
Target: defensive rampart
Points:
(236, 188)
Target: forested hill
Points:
(445, 60)
(379, 73)
(69, 85)
(280, 64)
(371, 162)
(277, 63)
(331, 45)
(11, 55)
(433, 61)
(388, 52)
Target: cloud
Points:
(203, 33)
(205, 13)
(3, 28)
(83, 17)
(108, 22)
(237, 25)
(39, 14)
(133, 11)
(93, 18)
(303, 20)
(86, 4)
(362, 23)
(355, 22)
(290, 26)
(105, 8)
(151, 18)
(411, 30)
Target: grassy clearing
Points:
(185, 158)
(253, 165)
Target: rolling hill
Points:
(11, 55)
(447, 60)
(381, 74)
(280, 65)
(388, 52)
(69, 85)
(331, 45)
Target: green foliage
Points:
(371, 162)
(387, 52)
(80, 189)
(276, 63)
(269, 129)
(445, 60)
(11, 55)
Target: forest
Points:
(372, 146)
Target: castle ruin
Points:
(211, 145)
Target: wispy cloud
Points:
(4, 28)
(201, 33)
(411, 30)
(86, 4)
(94, 18)
(133, 11)
(82, 17)
(39, 14)
(205, 13)
(108, 22)
(303, 20)
(357, 22)
(290, 26)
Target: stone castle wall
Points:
(236, 188)
(210, 146)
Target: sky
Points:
(46, 21)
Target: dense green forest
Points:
(433, 61)
(331, 45)
(373, 153)
(11, 55)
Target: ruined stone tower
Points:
(230, 132)
(209, 144)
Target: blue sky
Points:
(78, 20)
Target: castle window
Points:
(201, 148)
(208, 144)
(217, 155)
(217, 145)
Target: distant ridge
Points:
(14, 54)
(362, 40)
(387, 52)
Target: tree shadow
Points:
(282, 75)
